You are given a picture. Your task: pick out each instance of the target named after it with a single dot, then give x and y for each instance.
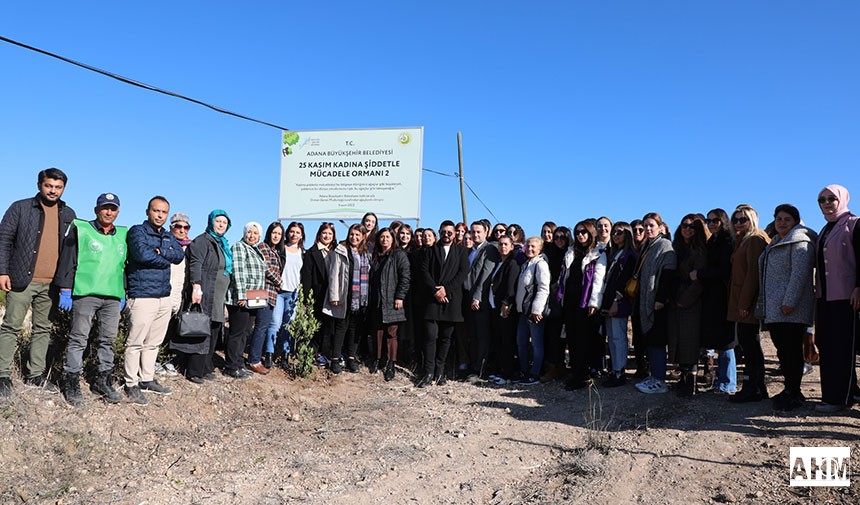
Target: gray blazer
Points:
(480, 277)
(785, 277)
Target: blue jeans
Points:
(727, 374)
(657, 361)
(527, 329)
(261, 331)
(285, 307)
(616, 329)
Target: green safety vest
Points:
(101, 261)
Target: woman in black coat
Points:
(717, 333)
(210, 263)
(314, 275)
(503, 312)
(389, 286)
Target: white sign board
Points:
(343, 174)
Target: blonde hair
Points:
(539, 241)
(751, 214)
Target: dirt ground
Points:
(354, 438)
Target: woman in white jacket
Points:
(531, 302)
(581, 293)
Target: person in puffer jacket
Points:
(151, 251)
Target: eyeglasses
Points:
(686, 225)
(581, 232)
(827, 199)
(499, 231)
(740, 220)
(446, 232)
(618, 233)
(715, 220)
(181, 227)
(638, 230)
(559, 237)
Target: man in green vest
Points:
(91, 281)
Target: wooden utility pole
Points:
(462, 183)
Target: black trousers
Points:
(347, 334)
(583, 337)
(437, 341)
(505, 343)
(479, 322)
(199, 365)
(552, 342)
(788, 339)
(835, 326)
(241, 325)
(749, 339)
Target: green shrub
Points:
(303, 328)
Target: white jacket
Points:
(533, 286)
(598, 253)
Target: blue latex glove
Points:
(65, 300)
(121, 304)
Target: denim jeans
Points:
(616, 329)
(526, 330)
(285, 307)
(261, 331)
(727, 373)
(657, 361)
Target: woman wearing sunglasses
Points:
(583, 269)
(616, 306)
(838, 293)
(554, 356)
(750, 242)
(717, 333)
(685, 311)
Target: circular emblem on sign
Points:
(404, 138)
(95, 246)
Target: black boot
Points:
(267, 360)
(102, 386)
(425, 381)
(388, 374)
(687, 384)
(72, 389)
(373, 367)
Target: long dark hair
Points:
(377, 247)
(279, 248)
(588, 224)
(699, 239)
(628, 245)
(300, 226)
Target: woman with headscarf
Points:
(210, 265)
(274, 236)
(838, 294)
(249, 275)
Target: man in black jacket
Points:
(443, 270)
(31, 239)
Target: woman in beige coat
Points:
(750, 242)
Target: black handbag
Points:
(193, 323)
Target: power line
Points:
(479, 199)
(138, 83)
(156, 89)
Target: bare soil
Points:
(354, 438)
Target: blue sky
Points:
(568, 109)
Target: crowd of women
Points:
(560, 304)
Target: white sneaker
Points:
(170, 370)
(655, 387)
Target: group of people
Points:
(477, 302)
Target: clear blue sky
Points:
(568, 109)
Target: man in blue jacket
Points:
(31, 239)
(151, 251)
